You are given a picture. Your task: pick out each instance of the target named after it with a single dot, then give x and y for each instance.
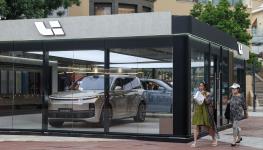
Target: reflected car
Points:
(158, 96)
(86, 101)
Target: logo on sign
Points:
(55, 30)
(240, 49)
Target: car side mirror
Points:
(117, 88)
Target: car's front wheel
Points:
(56, 123)
(141, 113)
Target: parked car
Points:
(158, 96)
(85, 102)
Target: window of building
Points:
(146, 9)
(103, 9)
(127, 9)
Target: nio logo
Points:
(56, 29)
(240, 49)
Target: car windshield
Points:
(90, 83)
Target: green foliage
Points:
(197, 10)
(235, 21)
(3, 10)
(254, 58)
(16, 9)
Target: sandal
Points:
(214, 143)
(193, 145)
(239, 140)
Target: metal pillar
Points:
(45, 89)
(254, 86)
(106, 90)
(182, 88)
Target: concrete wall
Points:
(256, 3)
(257, 39)
(125, 25)
(176, 7)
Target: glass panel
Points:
(214, 86)
(20, 98)
(197, 75)
(77, 90)
(102, 9)
(146, 9)
(200, 72)
(141, 91)
(127, 9)
(239, 72)
(27, 72)
(225, 84)
(6, 97)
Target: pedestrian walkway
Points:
(252, 130)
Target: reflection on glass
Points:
(149, 99)
(20, 103)
(225, 86)
(77, 92)
(197, 75)
(127, 9)
(146, 9)
(102, 9)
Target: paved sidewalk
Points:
(252, 134)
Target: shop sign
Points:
(240, 49)
(54, 30)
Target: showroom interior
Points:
(129, 75)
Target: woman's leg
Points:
(238, 130)
(212, 133)
(235, 131)
(196, 134)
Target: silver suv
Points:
(86, 101)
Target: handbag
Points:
(227, 111)
(199, 98)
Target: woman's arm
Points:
(208, 99)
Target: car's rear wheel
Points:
(141, 113)
(103, 114)
(56, 123)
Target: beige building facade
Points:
(174, 6)
(108, 7)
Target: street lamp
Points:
(254, 86)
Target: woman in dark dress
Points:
(238, 111)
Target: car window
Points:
(127, 83)
(153, 85)
(118, 82)
(150, 85)
(91, 83)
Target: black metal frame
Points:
(184, 29)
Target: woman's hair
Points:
(205, 85)
(238, 89)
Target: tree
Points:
(17, 9)
(235, 21)
(3, 10)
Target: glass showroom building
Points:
(120, 75)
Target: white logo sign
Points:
(55, 30)
(240, 49)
